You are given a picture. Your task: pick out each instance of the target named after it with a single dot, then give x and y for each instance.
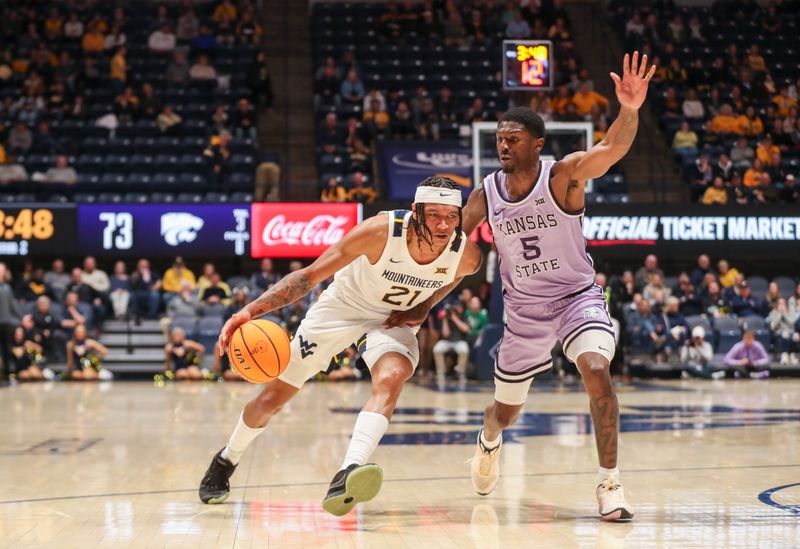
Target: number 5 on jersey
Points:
(530, 250)
(401, 291)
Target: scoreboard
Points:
(527, 65)
(38, 229)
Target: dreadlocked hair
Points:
(422, 231)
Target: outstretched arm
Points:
(570, 173)
(368, 238)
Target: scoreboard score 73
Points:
(527, 65)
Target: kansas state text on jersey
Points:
(542, 248)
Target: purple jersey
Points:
(541, 246)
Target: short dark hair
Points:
(528, 118)
(423, 233)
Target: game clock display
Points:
(527, 65)
(37, 230)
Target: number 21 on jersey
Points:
(401, 292)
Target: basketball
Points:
(259, 351)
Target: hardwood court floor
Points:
(706, 464)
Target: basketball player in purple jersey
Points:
(535, 209)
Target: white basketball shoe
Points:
(611, 501)
(485, 467)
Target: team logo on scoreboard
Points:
(180, 227)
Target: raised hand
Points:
(227, 330)
(631, 89)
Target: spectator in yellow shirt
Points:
(93, 41)
(755, 60)
(561, 100)
(685, 140)
(724, 122)
(750, 123)
(53, 25)
(360, 192)
(755, 176)
(225, 10)
(766, 150)
(585, 99)
(376, 116)
(333, 192)
(119, 69)
(716, 194)
(727, 274)
(783, 102)
(176, 276)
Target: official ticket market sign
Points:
(689, 230)
(405, 164)
(37, 230)
(633, 230)
(300, 229)
(153, 230)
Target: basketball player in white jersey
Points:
(535, 209)
(390, 262)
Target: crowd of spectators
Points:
(76, 76)
(706, 320)
(669, 318)
(443, 74)
(726, 90)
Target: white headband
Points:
(438, 195)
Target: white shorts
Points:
(331, 326)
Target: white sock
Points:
(491, 444)
(608, 473)
(367, 433)
(240, 439)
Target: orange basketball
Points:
(259, 351)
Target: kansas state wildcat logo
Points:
(180, 227)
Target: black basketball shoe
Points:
(356, 484)
(215, 488)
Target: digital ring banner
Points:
(306, 230)
(634, 230)
(159, 230)
(37, 230)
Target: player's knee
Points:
(596, 376)
(504, 416)
(266, 406)
(390, 382)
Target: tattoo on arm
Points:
(624, 128)
(605, 415)
(288, 290)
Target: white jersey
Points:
(396, 282)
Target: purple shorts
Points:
(532, 330)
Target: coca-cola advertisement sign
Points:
(300, 229)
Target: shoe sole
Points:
(220, 499)
(362, 485)
(617, 515)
